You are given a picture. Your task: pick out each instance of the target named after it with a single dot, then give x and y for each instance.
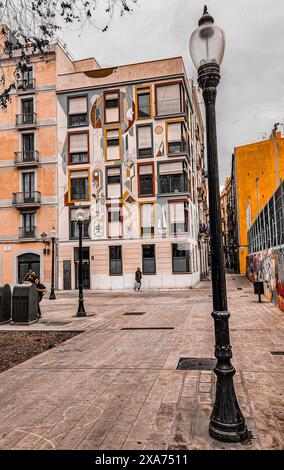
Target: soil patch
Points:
(17, 347)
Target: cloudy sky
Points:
(251, 93)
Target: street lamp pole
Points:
(81, 312)
(227, 424)
(52, 293)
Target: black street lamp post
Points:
(227, 424)
(52, 236)
(80, 220)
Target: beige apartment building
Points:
(131, 153)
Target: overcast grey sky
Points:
(251, 93)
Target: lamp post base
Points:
(81, 312)
(229, 433)
(52, 295)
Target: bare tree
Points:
(30, 27)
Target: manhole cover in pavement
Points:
(196, 363)
(277, 353)
(149, 328)
(134, 313)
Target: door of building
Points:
(26, 262)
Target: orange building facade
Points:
(258, 170)
(28, 169)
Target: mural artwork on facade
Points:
(268, 266)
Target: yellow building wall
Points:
(252, 161)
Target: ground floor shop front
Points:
(110, 266)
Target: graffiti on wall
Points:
(268, 266)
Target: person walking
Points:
(138, 278)
(41, 290)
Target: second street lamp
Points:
(80, 213)
(207, 45)
(52, 236)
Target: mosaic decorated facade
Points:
(131, 153)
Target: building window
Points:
(28, 147)
(143, 103)
(27, 106)
(146, 180)
(115, 260)
(28, 183)
(111, 107)
(79, 185)
(173, 177)
(169, 99)
(77, 111)
(28, 225)
(112, 144)
(181, 257)
(144, 141)
(147, 223)
(113, 182)
(176, 138)
(78, 148)
(114, 217)
(74, 228)
(148, 259)
(178, 217)
(27, 81)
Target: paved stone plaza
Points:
(111, 388)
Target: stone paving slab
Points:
(110, 388)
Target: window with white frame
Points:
(169, 99)
(181, 258)
(74, 227)
(113, 182)
(112, 107)
(147, 220)
(176, 137)
(145, 141)
(114, 221)
(112, 144)
(178, 217)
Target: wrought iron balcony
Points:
(173, 184)
(25, 85)
(26, 199)
(178, 147)
(26, 120)
(27, 233)
(26, 158)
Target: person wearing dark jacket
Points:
(138, 278)
(41, 290)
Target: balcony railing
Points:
(178, 147)
(27, 199)
(26, 158)
(27, 233)
(170, 185)
(25, 85)
(26, 120)
(77, 120)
